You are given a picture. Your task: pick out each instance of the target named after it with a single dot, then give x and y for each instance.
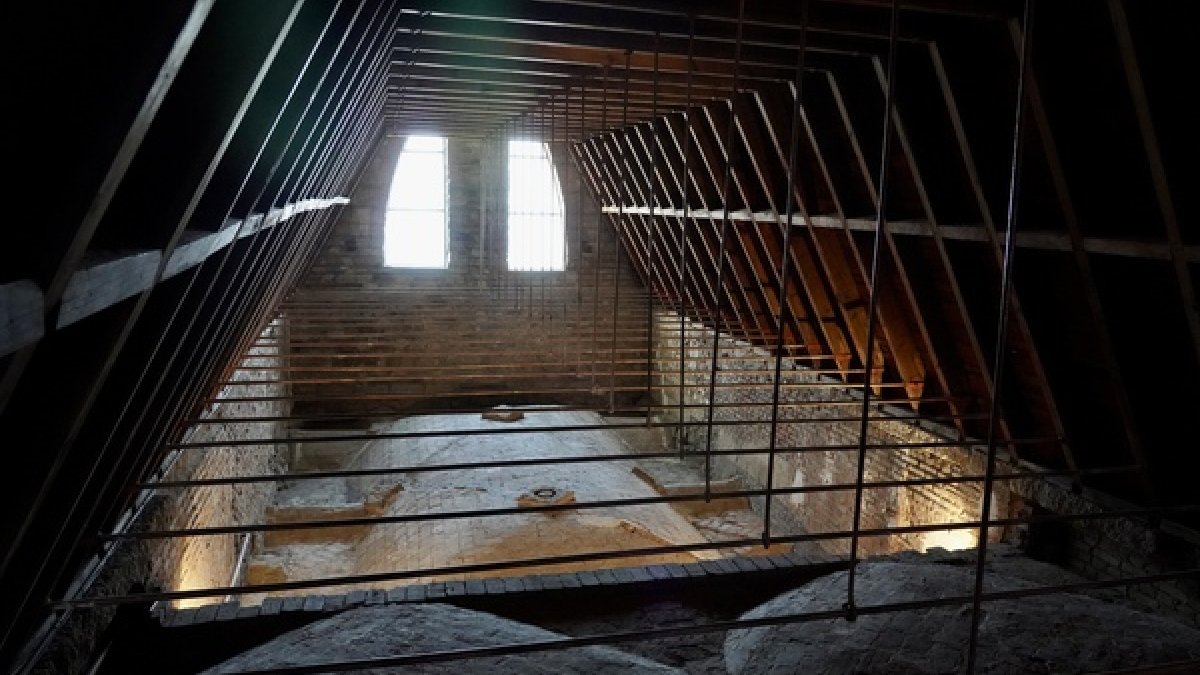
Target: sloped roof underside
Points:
(181, 163)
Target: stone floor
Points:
(1044, 633)
(393, 630)
(432, 544)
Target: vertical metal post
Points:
(547, 146)
(717, 317)
(680, 431)
(578, 197)
(880, 224)
(599, 217)
(998, 362)
(612, 380)
(650, 237)
(784, 262)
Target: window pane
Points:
(414, 239)
(415, 224)
(424, 144)
(536, 237)
(419, 181)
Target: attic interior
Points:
(837, 336)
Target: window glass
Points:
(414, 230)
(536, 232)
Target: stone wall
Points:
(1113, 548)
(817, 442)
(201, 562)
(1100, 549)
(135, 566)
(536, 333)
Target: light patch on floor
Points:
(329, 552)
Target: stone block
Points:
(248, 612)
(294, 603)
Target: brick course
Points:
(552, 324)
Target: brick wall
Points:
(533, 332)
(177, 564)
(818, 412)
(1097, 549)
(200, 562)
(1114, 548)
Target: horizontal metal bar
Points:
(646, 634)
(550, 461)
(540, 392)
(512, 364)
(618, 411)
(377, 577)
(471, 377)
(553, 508)
(501, 430)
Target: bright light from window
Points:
(536, 234)
(951, 540)
(414, 229)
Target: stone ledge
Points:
(588, 581)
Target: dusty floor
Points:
(433, 544)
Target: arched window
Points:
(536, 234)
(414, 229)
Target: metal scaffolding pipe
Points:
(873, 298)
(721, 249)
(1001, 343)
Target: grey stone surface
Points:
(1052, 633)
(406, 629)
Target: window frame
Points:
(392, 230)
(554, 207)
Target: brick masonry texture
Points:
(203, 562)
(1097, 549)
(1029, 635)
(548, 327)
(816, 414)
(174, 564)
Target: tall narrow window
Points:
(414, 230)
(536, 234)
